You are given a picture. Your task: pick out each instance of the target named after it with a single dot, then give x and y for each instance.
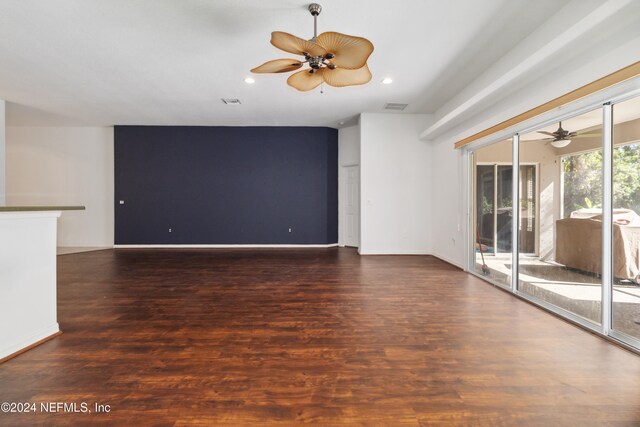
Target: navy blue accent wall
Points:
(226, 185)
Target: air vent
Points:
(395, 107)
(231, 101)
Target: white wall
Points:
(349, 146)
(65, 166)
(27, 279)
(348, 155)
(395, 177)
(448, 217)
(2, 153)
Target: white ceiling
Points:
(97, 62)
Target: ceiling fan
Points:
(335, 59)
(562, 138)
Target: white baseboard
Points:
(449, 261)
(276, 246)
(23, 343)
(64, 250)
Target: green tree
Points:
(626, 177)
(583, 179)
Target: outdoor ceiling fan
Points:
(562, 138)
(334, 58)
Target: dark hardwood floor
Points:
(323, 336)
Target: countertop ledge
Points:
(40, 208)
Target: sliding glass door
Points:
(493, 189)
(625, 313)
(529, 197)
(576, 217)
(566, 271)
(493, 204)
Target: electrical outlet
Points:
(170, 230)
(122, 202)
(289, 230)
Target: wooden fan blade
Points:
(304, 80)
(292, 44)
(547, 133)
(350, 52)
(588, 135)
(343, 77)
(278, 66)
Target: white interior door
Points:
(352, 237)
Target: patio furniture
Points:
(579, 242)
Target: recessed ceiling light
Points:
(249, 80)
(387, 81)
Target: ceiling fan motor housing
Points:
(315, 9)
(315, 62)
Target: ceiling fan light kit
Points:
(333, 58)
(560, 143)
(561, 137)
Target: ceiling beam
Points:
(619, 76)
(551, 46)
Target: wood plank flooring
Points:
(321, 336)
